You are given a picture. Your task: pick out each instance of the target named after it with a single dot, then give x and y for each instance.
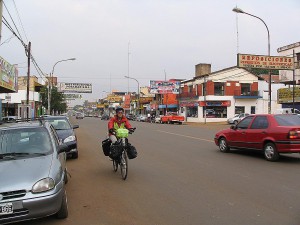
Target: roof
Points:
(220, 71)
(29, 124)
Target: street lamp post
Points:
(238, 10)
(51, 81)
(138, 93)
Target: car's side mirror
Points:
(233, 127)
(75, 126)
(63, 148)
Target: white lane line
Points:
(185, 136)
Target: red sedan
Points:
(271, 133)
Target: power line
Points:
(12, 19)
(20, 20)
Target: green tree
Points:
(258, 71)
(58, 102)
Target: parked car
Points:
(172, 117)
(65, 132)
(141, 118)
(130, 116)
(33, 172)
(237, 118)
(9, 119)
(272, 134)
(79, 116)
(287, 111)
(157, 119)
(105, 117)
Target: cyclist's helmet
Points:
(119, 108)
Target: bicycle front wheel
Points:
(115, 165)
(124, 165)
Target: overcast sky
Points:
(145, 39)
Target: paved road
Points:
(179, 178)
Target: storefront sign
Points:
(265, 62)
(144, 100)
(215, 103)
(189, 104)
(114, 98)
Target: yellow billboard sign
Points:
(285, 95)
(9, 76)
(265, 62)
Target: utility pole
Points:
(294, 82)
(28, 78)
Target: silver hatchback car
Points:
(33, 172)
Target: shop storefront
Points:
(214, 109)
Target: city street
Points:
(179, 178)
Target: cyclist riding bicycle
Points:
(116, 122)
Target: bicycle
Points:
(119, 150)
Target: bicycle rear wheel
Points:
(124, 165)
(115, 165)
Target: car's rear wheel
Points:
(270, 152)
(235, 122)
(63, 212)
(223, 146)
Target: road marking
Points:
(186, 136)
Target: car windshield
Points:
(287, 120)
(24, 142)
(59, 123)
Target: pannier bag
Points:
(115, 151)
(106, 146)
(131, 152)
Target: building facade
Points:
(217, 96)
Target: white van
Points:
(287, 111)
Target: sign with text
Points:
(75, 87)
(285, 95)
(73, 96)
(163, 87)
(265, 62)
(9, 76)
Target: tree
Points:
(258, 71)
(58, 102)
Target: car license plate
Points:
(6, 208)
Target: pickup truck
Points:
(172, 117)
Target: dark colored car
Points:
(65, 132)
(33, 172)
(105, 117)
(130, 116)
(273, 134)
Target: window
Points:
(245, 89)
(215, 112)
(192, 111)
(219, 88)
(260, 122)
(244, 124)
(239, 109)
(252, 109)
